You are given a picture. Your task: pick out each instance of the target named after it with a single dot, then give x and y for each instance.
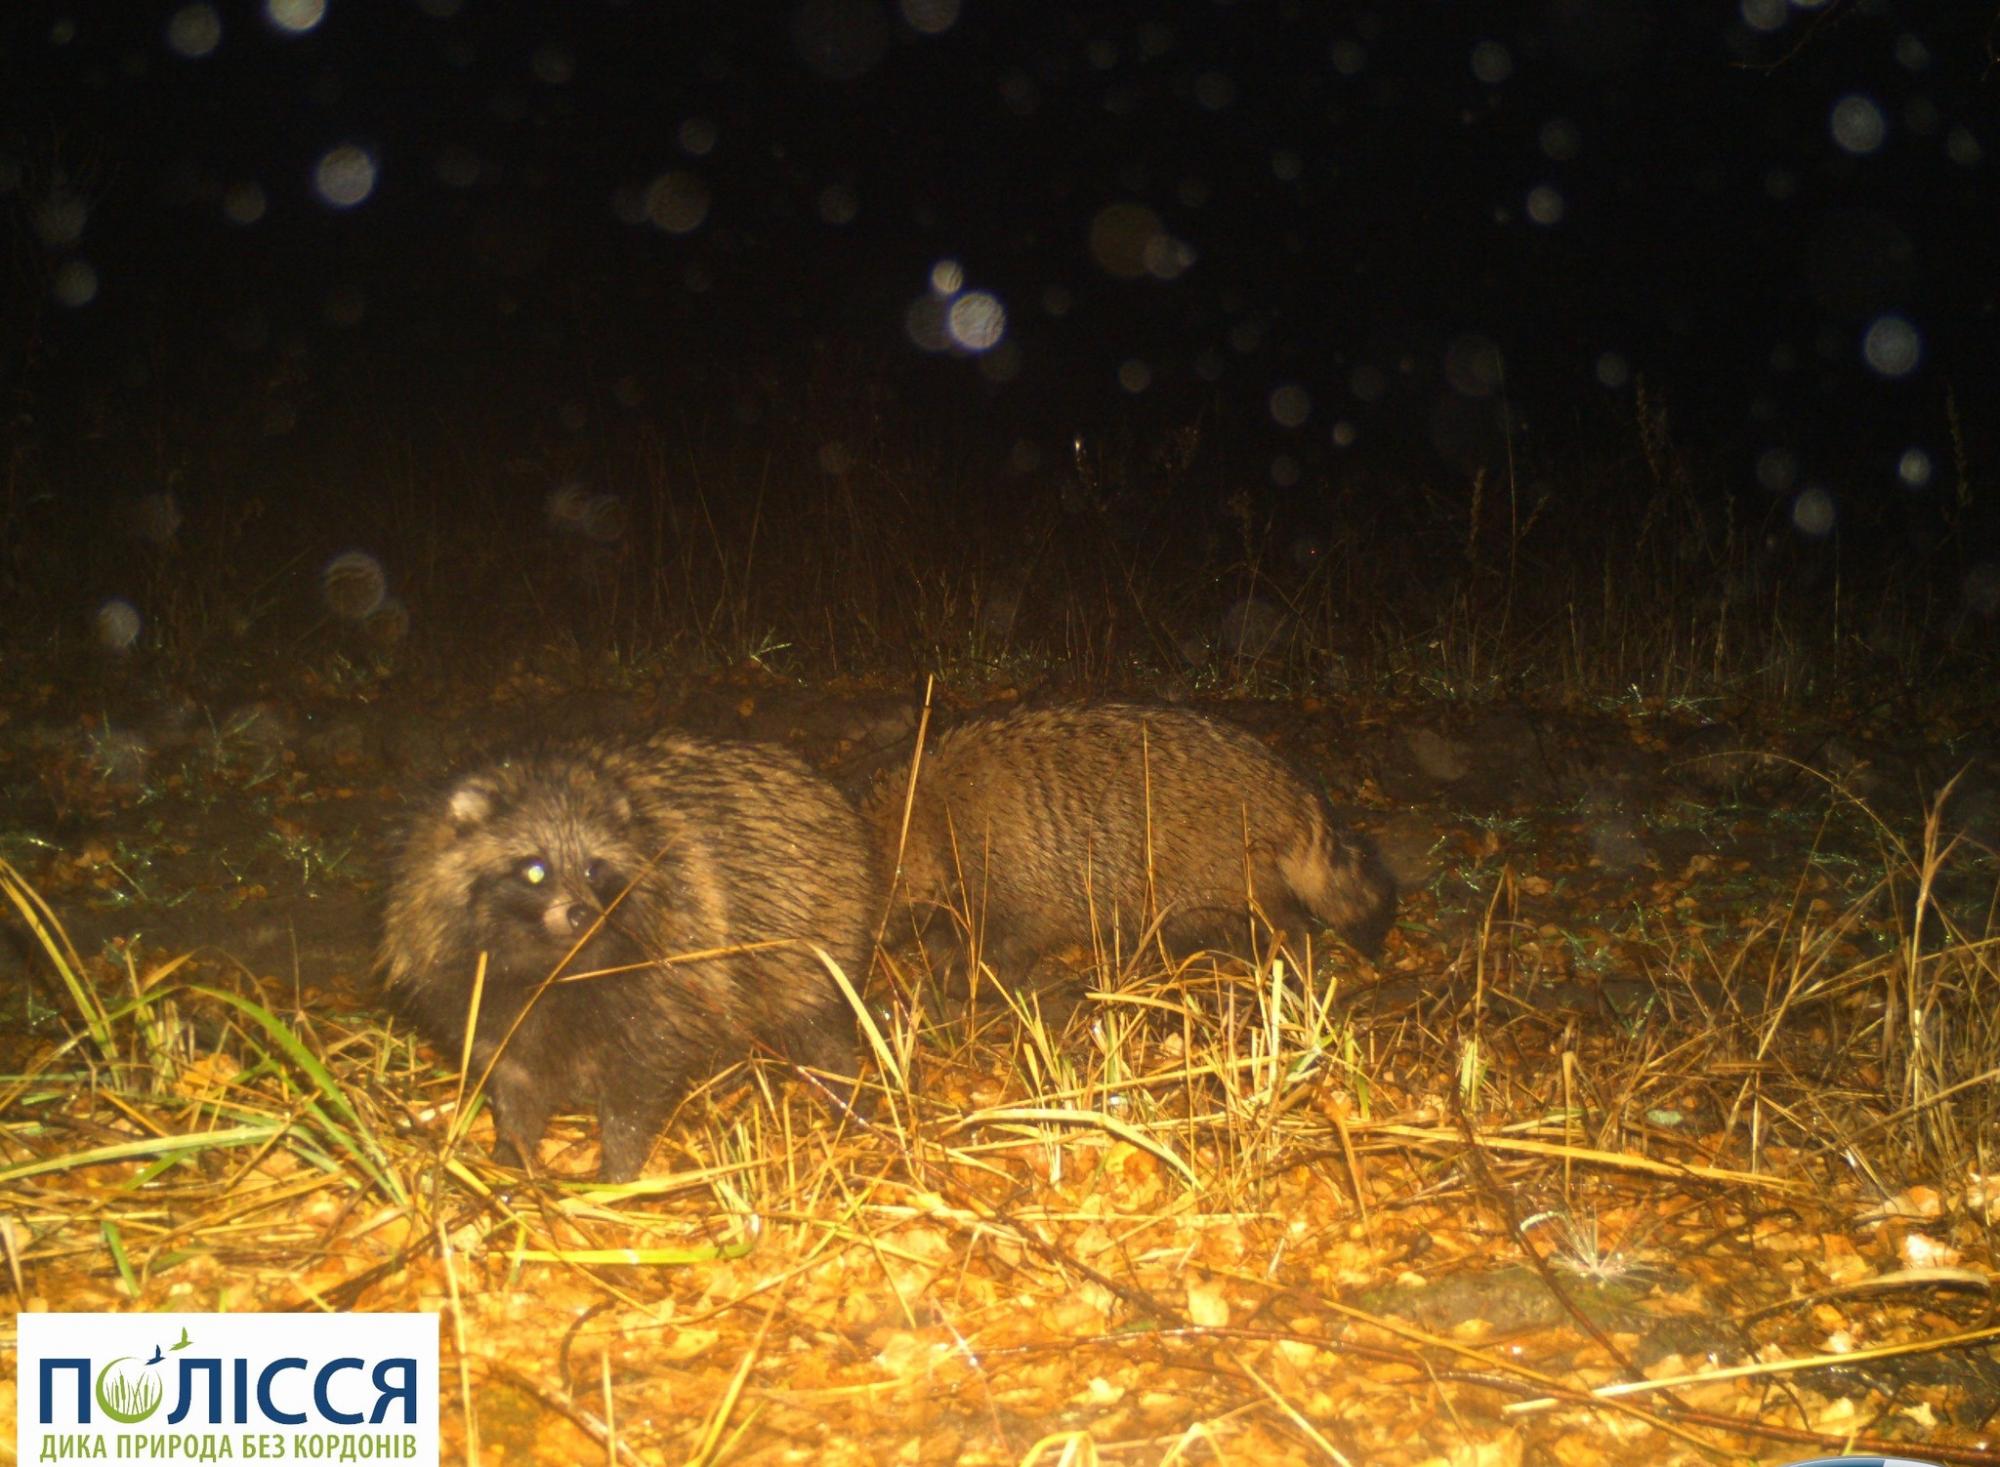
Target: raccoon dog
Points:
(1039, 823)
(592, 860)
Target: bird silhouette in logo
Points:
(185, 1342)
(157, 1356)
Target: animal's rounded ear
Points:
(471, 803)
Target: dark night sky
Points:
(1345, 221)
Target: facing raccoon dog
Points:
(592, 860)
(1039, 822)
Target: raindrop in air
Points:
(1914, 468)
(117, 624)
(1892, 346)
(344, 176)
(1167, 257)
(976, 321)
(924, 322)
(553, 66)
(1560, 141)
(353, 585)
(1290, 405)
(1492, 63)
(194, 31)
(1979, 591)
(1122, 237)
(1777, 470)
(75, 283)
(1214, 91)
(840, 40)
(295, 16)
(456, 167)
(929, 17)
(698, 137)
(1813, 512)
(1473, 366)
(1857, 125)
(1763, 15)
(243, 203)
(838, 204)
(677, 202)
(59, 218)
(153, 518)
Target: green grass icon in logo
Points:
(129, 1395)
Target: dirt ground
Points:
(1622, 853)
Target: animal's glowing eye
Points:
(534, 871)
(594, 872)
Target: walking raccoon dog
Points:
(1042, 825)
(619, 893)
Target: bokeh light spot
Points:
(194, 31)
(1892, 346)
(1492, 63)
(353, 585)
(840, 40)
(924, 322)
(1857, 125)
(1559, 140)
(294, 17)
(977, 321)
(344, 176)
(118, 623)
(1474, 366)
(75, 283)
(553, 66)
(1214, 91)
(1290, 405)
(1122, 236)
(1778, 470)
(244, 203)
(677, 202)
(838, 204)
(929, 17)
(698, 136)
(59, 217)
(1813, 512)
(1763, 15)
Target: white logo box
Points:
(228, 1387)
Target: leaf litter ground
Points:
(1661, 1133)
